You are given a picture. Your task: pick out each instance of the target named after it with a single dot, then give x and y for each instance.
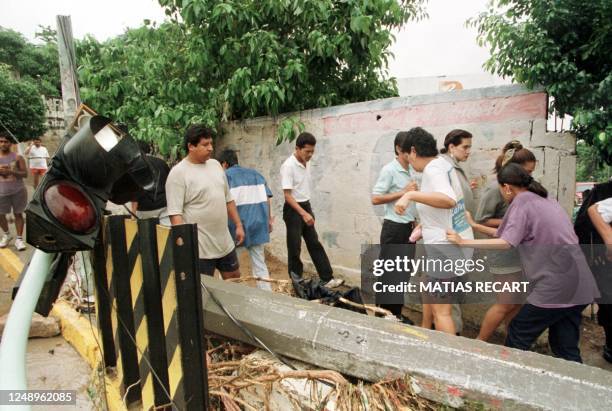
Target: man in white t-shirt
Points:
(37, 155)
(440, 207)
(197, 193)
(297, 213)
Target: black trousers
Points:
(563, 329)
(296, 229)
(393, 233)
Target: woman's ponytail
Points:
(516, 175)
(537, 188)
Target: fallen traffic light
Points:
(98, 163)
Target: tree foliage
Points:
(22, 110)
(587, 165)
(37, 63)
(224, 60)
(563, 45)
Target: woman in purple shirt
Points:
(560, 282)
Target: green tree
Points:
(22, 110)
(37, 63)
(587, 165)
(563, 45)
(224, 60)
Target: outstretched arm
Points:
(437, 200)
(493, 243)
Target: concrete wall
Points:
(355, 141)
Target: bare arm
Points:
(491, 244)
(270, 219)
(21, 170)
(308, 219)
(492, 222)
(437, 200)
(378, 199)
(176, 219)
(481, 228)
(27, 150)
(490, 231)
(232, 213)
(604, 229)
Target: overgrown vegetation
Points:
(22, 110)
(35, 63)
(216, 61)
(563, 45)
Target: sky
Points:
(440, 45)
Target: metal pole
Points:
(15, 336)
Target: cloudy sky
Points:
(440, 45)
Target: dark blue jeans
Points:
(563, 329)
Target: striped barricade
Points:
(150, 307)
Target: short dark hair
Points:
(195, 133)
(304, 139)
(228, 156)
(423, 142)
(455, 138)
(399, 140)
(4, 134)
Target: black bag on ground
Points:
(313, 289)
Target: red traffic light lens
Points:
(71, 207)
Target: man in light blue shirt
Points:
(252, 196)
(395, 179)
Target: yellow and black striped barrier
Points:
(150, 312)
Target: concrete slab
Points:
(446, 369)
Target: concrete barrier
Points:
(447, 369)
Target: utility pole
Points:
(71, 98)
(67, 59)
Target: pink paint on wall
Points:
(491, 110)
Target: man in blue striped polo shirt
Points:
(253, 200)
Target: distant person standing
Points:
(297, 212)
(197, 193)
(38, 156)
(395, 179)
(13, 193)
(152, 204)
(253, 201)
(457, 149)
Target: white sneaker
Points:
(19, 244)
(5, 240)
(333, 283)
